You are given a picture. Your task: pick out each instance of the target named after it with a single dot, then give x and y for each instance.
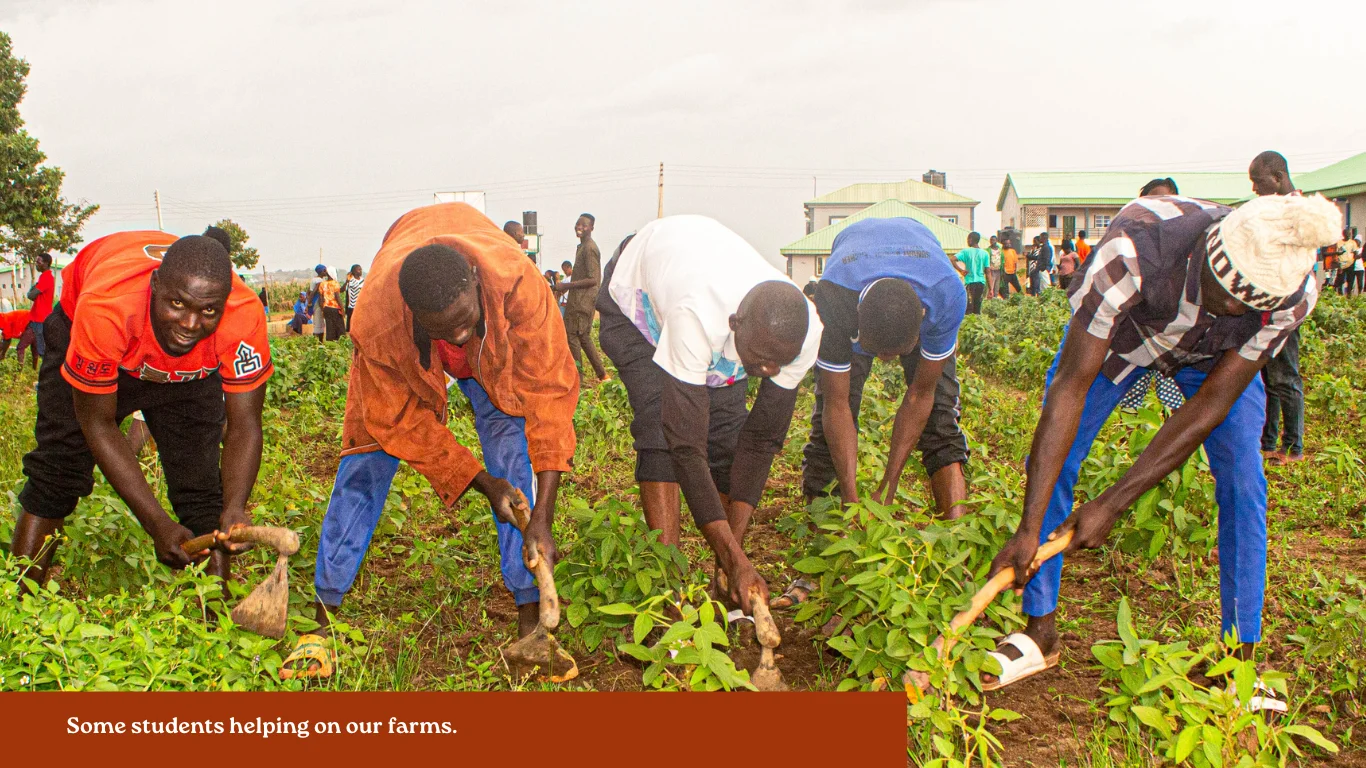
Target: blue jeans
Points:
(1284, 399)
(1239, 491)
(362, 486)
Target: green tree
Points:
(34, 217)
(242, 255)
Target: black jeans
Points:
(975, 297)
(633, 355)
(1007, 281)
(941, 444)
(186, 420)
(1284, 399)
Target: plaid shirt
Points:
(1140, 290)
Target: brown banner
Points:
(506, 729)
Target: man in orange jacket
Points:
(449, 297)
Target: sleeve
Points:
(244, 359)
(1268, 341)
(838, 310)
(685, 410)
(684, 349)
(939, 332)
(790, 376)
(99, 341)
(594, 263)
(760, 440)
(1109, 287)
(407, 430)
(546, 379)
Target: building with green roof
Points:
(1343, 182)
(806, 257)
(1065, 203)
(831, 207)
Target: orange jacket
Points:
(522, 360)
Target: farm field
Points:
(1140, 619)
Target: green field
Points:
(1140, 620)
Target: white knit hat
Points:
(1263, 251)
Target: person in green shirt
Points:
(973, 261)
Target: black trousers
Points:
(335, 324)
(941, 444)
(633, 355)
(186, 420)
(1007, 281)
(975, 297)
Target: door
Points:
(1069, 227)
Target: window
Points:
(1052, 221)
(1101, 220)
(836, 219)
(820, 264)
(950, 218)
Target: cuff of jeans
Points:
(523, 596)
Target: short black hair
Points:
(1081, 233)
(1068, 245)
(1272, 161)
(1155, 183)
(567, 263)
(221, 235)
(889, 316)
(47, 257)
(973, 239)
(588, 216)
(354, 267)
(433, 276)
(197, 256)
(780, 308)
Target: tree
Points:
(34, 217)
(243, 257)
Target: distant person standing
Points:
(994, 257)
(973, 261)
(581, 293)
(41, 294)
(1010, 267)
(1045, 259)
(1270, 175)
(355, 280)
(315, 302)
(1083, 250)
(330, 291)
(1067, 264)
(1032, 266)
(566, 269)
(1359, 268)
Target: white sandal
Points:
(1031, 661)
(1262, 700)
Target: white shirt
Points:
(679, 281)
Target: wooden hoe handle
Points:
(764, 628)
(284, 541)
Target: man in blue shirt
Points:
(888, 291)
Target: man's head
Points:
(583, 228)
(1081, 235)
(567, 267)
(441, 288)
(1259, 256)
(974, 238)
(189, 291)
(1270, 174)
(514, 231)
(1159, 187)
(994, 241)
(889, 316)
(321, 270)
(355, 270)
(43, 263)
(770, 327)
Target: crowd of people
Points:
(1199, 295)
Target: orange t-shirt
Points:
(107, 295)
(12, 324)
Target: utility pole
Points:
(660, 215)
(156, 196)
(813, 187)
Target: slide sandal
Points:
(1031, 661)
(314, 649)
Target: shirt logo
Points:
(157, 376)
(248, 361)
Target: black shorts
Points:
(186, 420)
(633, 355)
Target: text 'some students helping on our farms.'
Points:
(889, 291)
(1207, 296)
(706, 312)
(449, 296)
(180, 338)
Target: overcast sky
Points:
(315, 125)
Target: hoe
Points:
(264, 610)
(540, 649)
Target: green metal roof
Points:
(953, 237)
(1343, 178)
(908, 191)
(1118, 188)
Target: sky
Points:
(315, 125)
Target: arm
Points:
(1178, 438)
(686, 411)
(911, 417)
(761, 439)
(96, 415)
(241, 454)
(841, 434)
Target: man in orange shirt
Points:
(1010, 265)
(148, 322)
(12, 326)
(449, 299)
(1083, 250)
